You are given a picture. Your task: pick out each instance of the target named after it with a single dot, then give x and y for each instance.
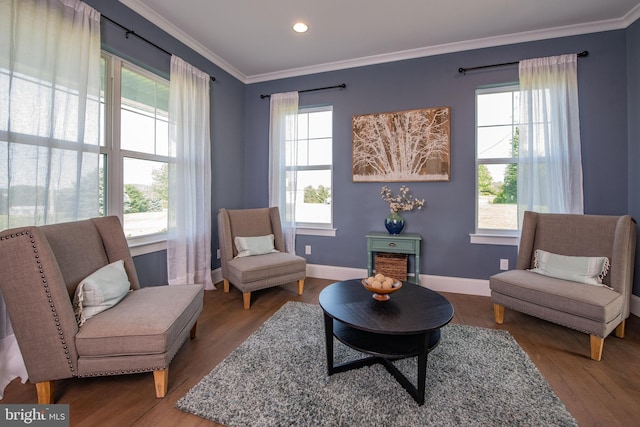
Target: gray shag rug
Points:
(278, 377)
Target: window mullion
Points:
(115, 165)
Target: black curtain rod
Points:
(131, 32)
(341, 86)
(464, 70)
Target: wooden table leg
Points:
(328, 336)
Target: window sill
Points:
(306, 231)
(494, 239)
(146, 246)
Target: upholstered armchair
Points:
(261, 260)
(139, 331)
(547, 285)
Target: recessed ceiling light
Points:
(300, 27)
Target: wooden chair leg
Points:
(300, 286)
(246, 300)
(597, 343)
(192, 333)
(45, 392)
(161, 381)
(226, 286)
(620, 329)
(498, 313)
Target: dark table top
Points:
(412, 309)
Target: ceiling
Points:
(254, 41)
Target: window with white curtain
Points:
(313, 206)
(497, 160)
(135, 149)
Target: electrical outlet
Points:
(504, 264)
(218, 254)
(307, 250)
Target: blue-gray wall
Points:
(434, 81)
(609, 86)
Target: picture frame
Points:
(403, 146)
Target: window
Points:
(497, 160)
(135, 149)
(36, 145)
(314, 168)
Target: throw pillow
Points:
(100, 291)
(258, 245)
(588, 270)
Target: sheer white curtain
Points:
(283, 152)
(549, 156)
(189, 234)
(49, 125)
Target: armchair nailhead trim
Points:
(122, 371)
(47, 291)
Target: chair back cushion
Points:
(249, 223)
(78, 250)
(83, 247)
(581, 235)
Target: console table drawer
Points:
(392, 245)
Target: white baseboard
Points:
(635, 305)
(457, 285)
(216, 276)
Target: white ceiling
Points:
(253, 39)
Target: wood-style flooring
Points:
(605, 393)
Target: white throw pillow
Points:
(588, 270)
(100, 291)
(258, 245)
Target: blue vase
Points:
(394, 223)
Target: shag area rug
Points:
(278, 377)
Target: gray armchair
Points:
(251, 273)
(595, 310)
(41, 268)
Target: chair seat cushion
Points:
(146, 321)
(261, 267)
(591, 302)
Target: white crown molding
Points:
(632, 16)
(550, 33)
(528, 36)
(153, 17)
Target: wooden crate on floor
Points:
(391, 265)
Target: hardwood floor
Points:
(605, 393)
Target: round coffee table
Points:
(407, 325)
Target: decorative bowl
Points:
(382, 294)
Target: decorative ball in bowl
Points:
(381, 286)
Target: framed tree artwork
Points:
(403, 146)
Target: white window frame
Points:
(484, 235)
(315, 229)
(114, 155)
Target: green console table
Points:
(405, 243)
